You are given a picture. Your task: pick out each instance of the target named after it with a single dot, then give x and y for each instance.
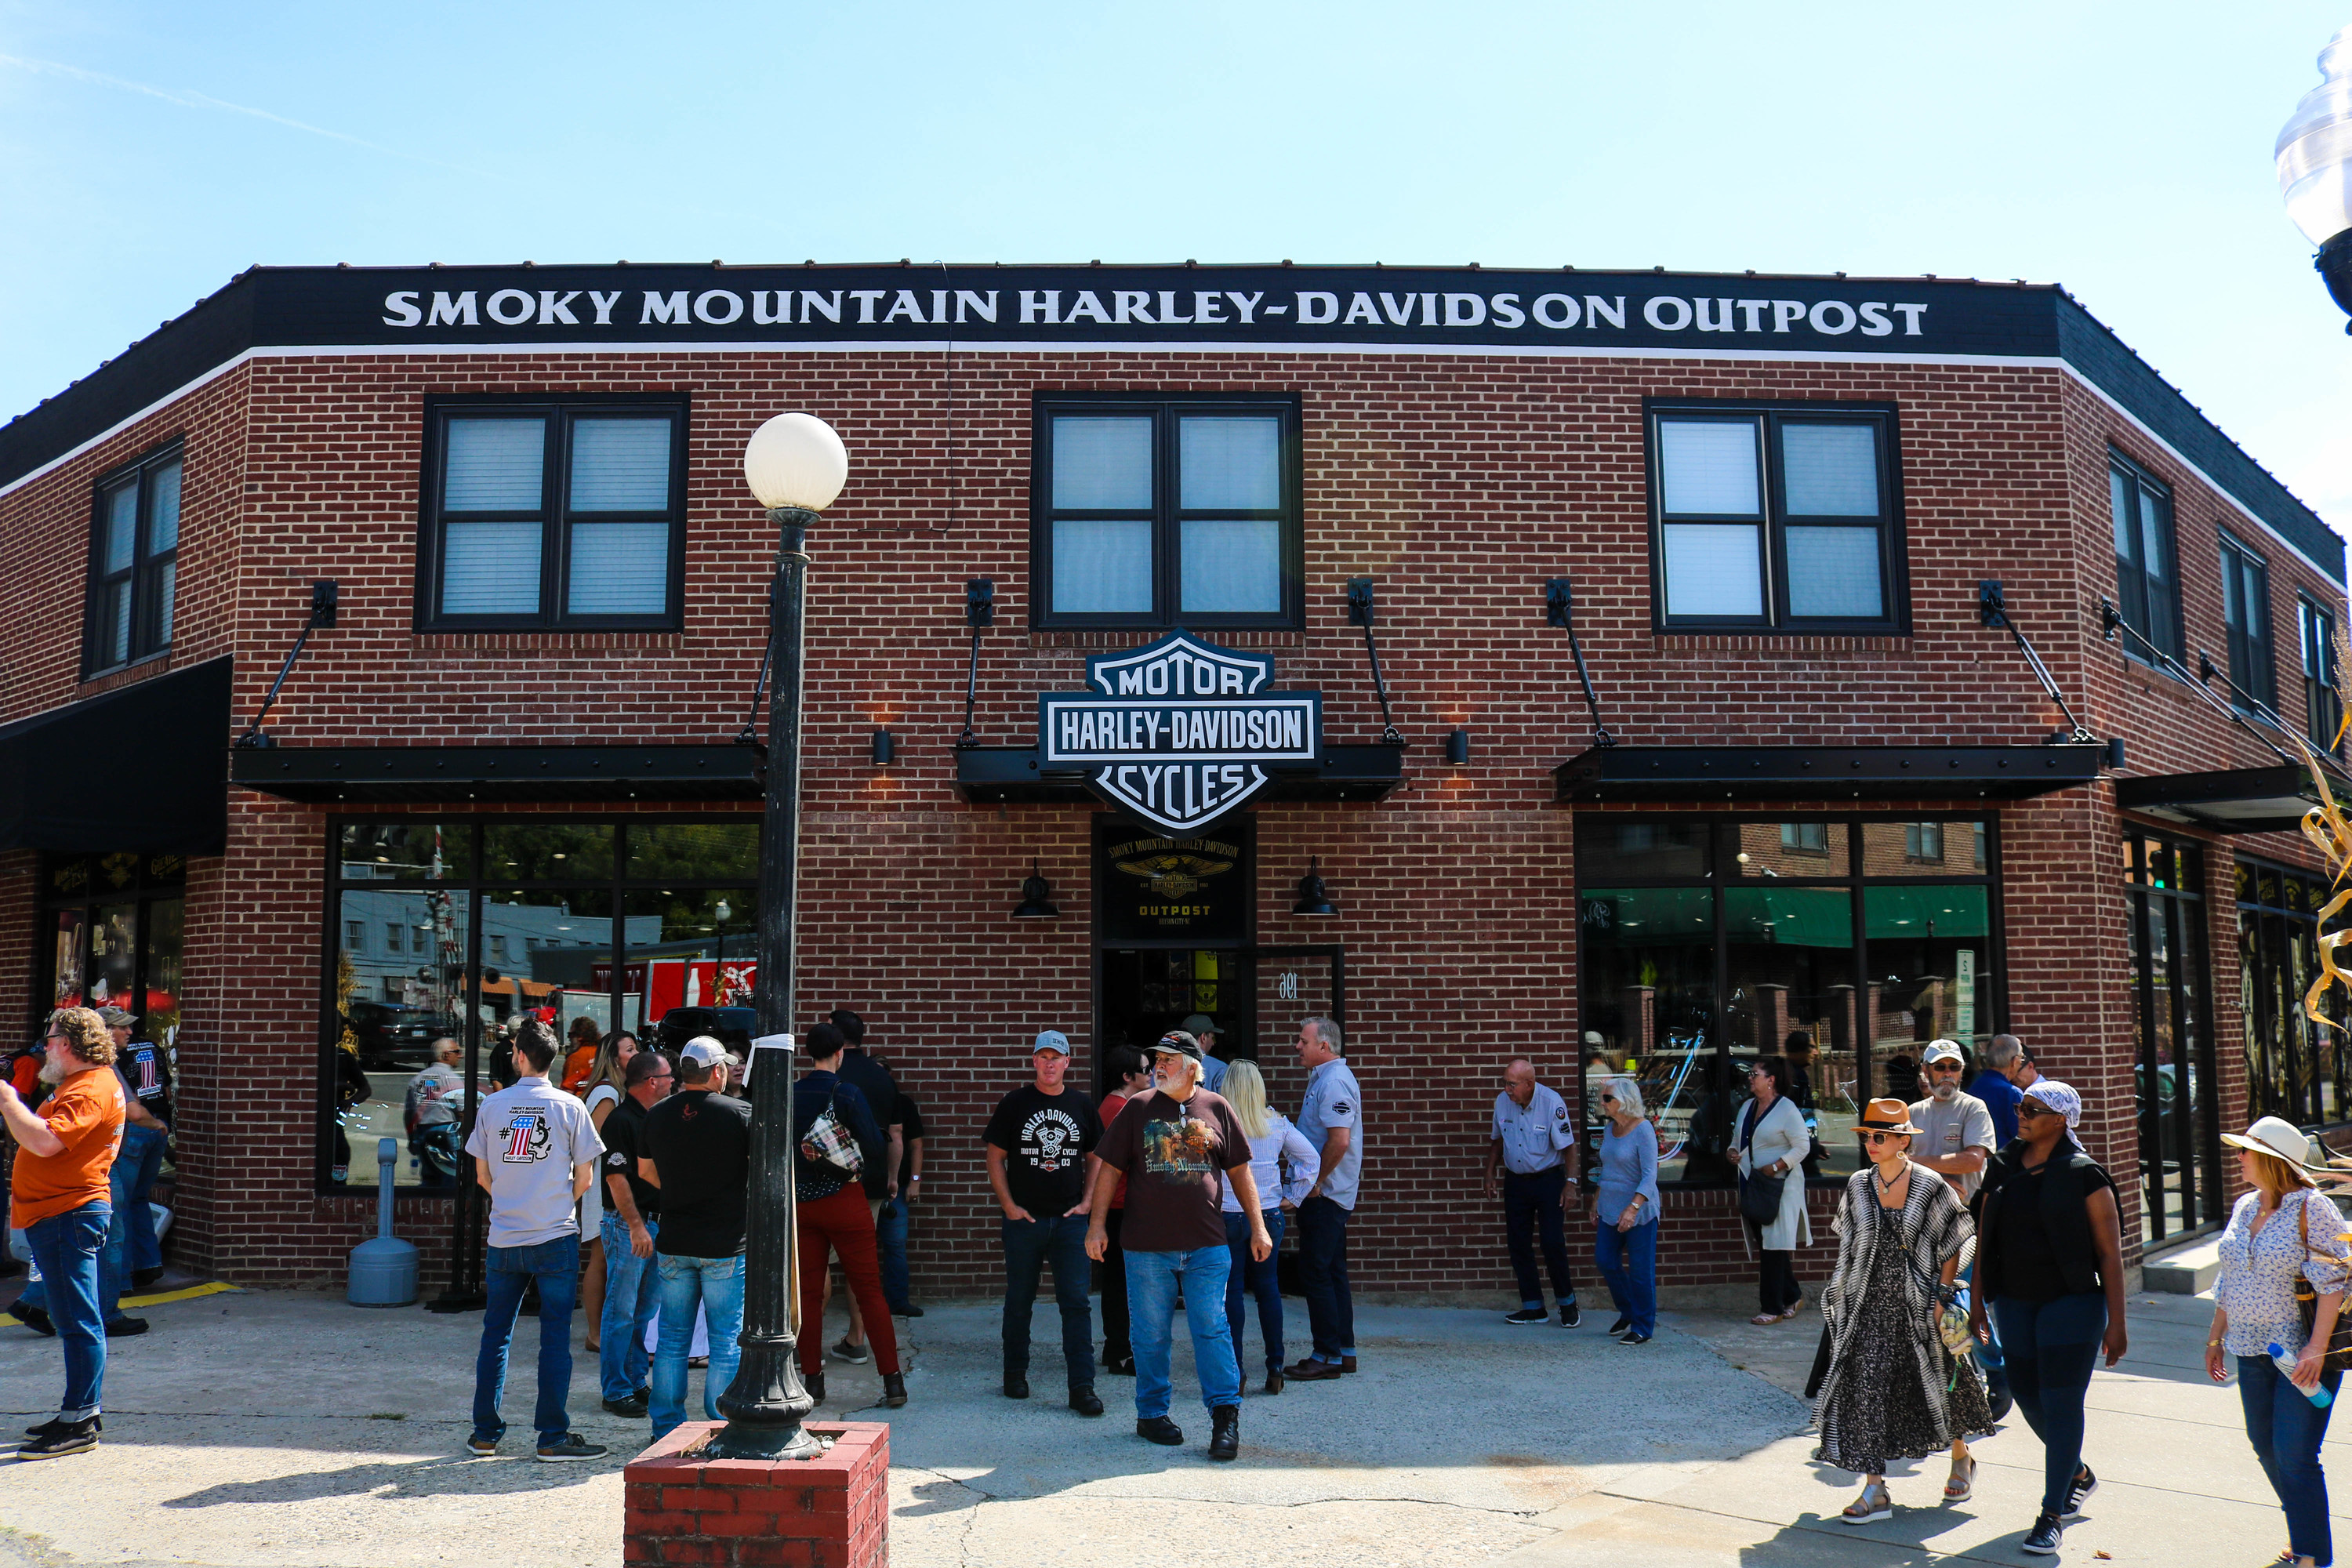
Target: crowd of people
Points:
(1978, 1265)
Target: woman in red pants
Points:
(833, 1217)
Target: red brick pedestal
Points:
(832, 1511)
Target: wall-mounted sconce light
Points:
(1314, 899)
(885, 747)
(1036, 898)
(1457, 746)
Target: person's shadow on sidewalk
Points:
(434, 1476)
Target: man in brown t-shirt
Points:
(61, 1195)
(1177, 1148)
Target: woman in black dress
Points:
(1893, 1390)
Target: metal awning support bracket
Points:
(1559, 605)
(1361, 613)
(324, 599)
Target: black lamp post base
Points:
(764, 1407)
(742, 1440)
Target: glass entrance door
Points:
(2179, 1152)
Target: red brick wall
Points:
(1458, 482)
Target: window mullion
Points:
(1167, 514)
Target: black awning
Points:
(1824, 773)
(331, 774)
(988, 774)
(142, 768)
(2236, 800)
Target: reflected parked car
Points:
(393, 1037)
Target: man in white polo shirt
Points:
(1331, 1118)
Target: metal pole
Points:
(766, 1403)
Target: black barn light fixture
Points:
(1314, 899)
(885, 747)
(1036, 898)
(1457, 746)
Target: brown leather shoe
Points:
(1310, 1371)
(1346, 1363)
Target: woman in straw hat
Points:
(2050, 1266)
(1893, 1390)
(2283, 1229)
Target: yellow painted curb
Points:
(190, 1294)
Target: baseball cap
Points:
(1943, 1051)
(116, 1018)
(703, 1051)
(1177, 1043)
(1199, 1024)
(1051, 1040)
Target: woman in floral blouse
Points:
(2282, 1230)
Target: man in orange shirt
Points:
(60, 1193)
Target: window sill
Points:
(1781, 643)
(543, 640)
(1137, 636)
(123, 675)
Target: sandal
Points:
(1874, 1503)
(1962, 1485)
(1797, 1307)
(1765, 1319)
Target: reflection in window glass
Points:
(1930, 977)
(69, 958)
(687, 947)
(1649, 997)
(560, 852)
(406, 851)
(114, 956)
(390, 1008)
(1789, 971)
(558, 942)
(695, 851)
(1609, 851)
(1775, 849)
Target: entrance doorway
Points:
(2179, 1153)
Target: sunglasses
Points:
(1608, 1099)
(1883, 1137)
(2028, 1110)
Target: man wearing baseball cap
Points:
(1178, 1149)
(1204, 1029)
(1955, 1140)
(1041, 1144)
(697, 1149)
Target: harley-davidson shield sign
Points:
(1181, 731)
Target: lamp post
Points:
(2314, 168)
(795, 465)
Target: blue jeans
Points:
(1531, 1205)
(1028, 1244)
(142, 1153)
(1323, 1277)
(716, 1285)
(1628, 1261)
(632, 1291)
(2286, 1429)
(891, 1240)
(1153, 1280)
(556, 1266)
(112, 1272)
(2052, 1348)
(66, 1248)
(1251, 1278)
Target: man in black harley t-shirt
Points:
(1041, 1144)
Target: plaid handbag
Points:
(828, 1142)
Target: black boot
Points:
(815, 1382)
(893, 1389)
(1084, 1401)
(1160, 1429)
(1016, 1385)
(1225, 1432)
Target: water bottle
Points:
(2285, 1364)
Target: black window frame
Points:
(150, 635)
(2162, 626)
(1166, 514)
(1894, 561)
(553, 514)
(2253, 652)
(2323, 690)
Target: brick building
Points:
(508, 775)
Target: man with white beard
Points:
(1955, 1139)
(1041, 1162)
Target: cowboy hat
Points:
(1885, 1116)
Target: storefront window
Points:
(2296, 1067)
(2173, 1076)
(1685, 981)
(463, 929)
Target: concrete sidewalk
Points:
(287, 1430)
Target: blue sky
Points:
(148, 153)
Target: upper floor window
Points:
(1923, 843)
(1159, 512)
(1776, 518)
(542, 514)
(1805, 837)
(2246, 613)
(2147, 585)
(134, 556)
(2323, 699)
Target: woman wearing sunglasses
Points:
(1625, 1218)
(2050, 1264)
(1893, 1390)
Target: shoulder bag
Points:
(828, 1142)
(2306, 1297)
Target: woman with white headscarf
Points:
(2050, 1266)
(2281, 1233)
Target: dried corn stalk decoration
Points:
(2328, 829)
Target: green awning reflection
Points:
(1915, 914)
(1789, 917)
